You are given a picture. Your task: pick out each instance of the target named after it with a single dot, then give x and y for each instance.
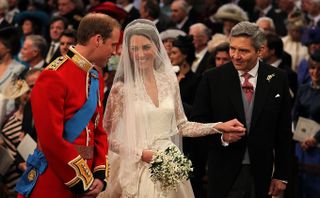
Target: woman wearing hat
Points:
(12, 131)
(9, 67)
(292, 42)
(310, 38)
(182, 55)
(307, 151)
(229, 14)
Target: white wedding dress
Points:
(164, 121)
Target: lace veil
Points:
(144, 70)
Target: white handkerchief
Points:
(277, 96)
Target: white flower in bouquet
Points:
(170, 167)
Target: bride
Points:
(143, 112)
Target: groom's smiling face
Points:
(243, 54)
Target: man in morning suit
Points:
(70, 159)
(256, 94)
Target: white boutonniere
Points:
(270, 76)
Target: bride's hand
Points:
(231, 126)
(147, 155)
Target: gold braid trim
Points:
(83, 173)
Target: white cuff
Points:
(223, 142)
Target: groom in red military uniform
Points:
(70, 159)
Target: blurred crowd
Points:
(33, 33)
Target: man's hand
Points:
(232, 130)
(231, 126)
(94, 189)
(276, 187)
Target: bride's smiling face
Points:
(142, 51)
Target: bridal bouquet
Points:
(170, 167)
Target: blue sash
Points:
(37, 163)
(74, 126)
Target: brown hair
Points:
(93, 24)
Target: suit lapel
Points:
(235, 93)
(261, 92)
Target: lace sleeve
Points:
(186, 128)
(113, 114)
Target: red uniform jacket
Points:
(58, 94)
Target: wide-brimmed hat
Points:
(216, 40)
(230, 12)
(39, 16)
(15, 89)
(171, 33)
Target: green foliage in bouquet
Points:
(169, 168)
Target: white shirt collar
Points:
(39, 65)
(266, 10)
(276, 63)
(128, 7)
(316, 19)
(253, 72)
(179, 25)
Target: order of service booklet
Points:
(305, 128)
(26, 146)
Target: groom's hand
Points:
(94, 189)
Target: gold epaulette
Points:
(54, 65)
(79, 60)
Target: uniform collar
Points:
(79, 60)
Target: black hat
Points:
(185, 45)
(10, 37)
(311, 36)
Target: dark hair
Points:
(222, 47)
(69, 33)
(152, 8)
(60, 18)
(185, 45)
(95, 23)
(10, 37)
(315, 56)
(275, 43)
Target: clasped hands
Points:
(231, 130)
(93, 191)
